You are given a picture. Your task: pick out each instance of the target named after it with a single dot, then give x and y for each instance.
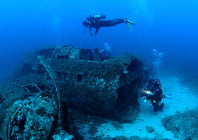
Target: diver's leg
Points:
(108, 23)
(117, 21)
(125, 20)
(158, 107)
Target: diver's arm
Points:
(90, 31)
(148, 97)
(96, 31)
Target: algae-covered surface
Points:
(63, 94)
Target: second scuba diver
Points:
(154, 93)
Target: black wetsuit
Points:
(98, 22)
(154, 86)
(107, 23)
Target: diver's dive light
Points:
(148, 92)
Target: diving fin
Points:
(128, 22)
(131, 22)
(130, 28)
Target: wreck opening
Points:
(79, 77)
(127, 95)
(32, 89)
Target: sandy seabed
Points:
(181, 99)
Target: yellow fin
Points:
(130, 28)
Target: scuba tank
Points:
(94, 18)
(98, 16)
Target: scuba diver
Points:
(98, 21)
(101, 55)
(154, 93)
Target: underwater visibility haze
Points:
(168, 26)
(164, 38)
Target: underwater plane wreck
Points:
(37, 102)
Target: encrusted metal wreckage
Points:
(34, 102)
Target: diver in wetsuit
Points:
(154, 93)
(98, 21)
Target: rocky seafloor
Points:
(183, 125)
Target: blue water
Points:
(168, 26)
